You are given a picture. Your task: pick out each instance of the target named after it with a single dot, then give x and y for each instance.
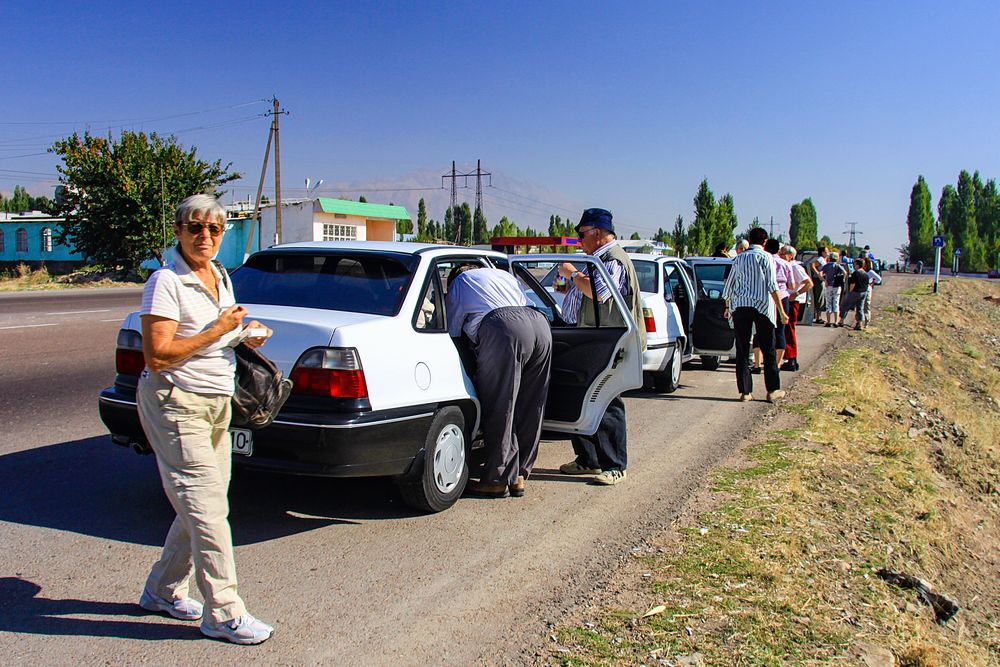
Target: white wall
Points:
(296, 224)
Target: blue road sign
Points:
(938, 242)
(958, 252)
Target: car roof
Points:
(708, 260)
(653, 258)
(406, 247)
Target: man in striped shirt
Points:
(753, 300)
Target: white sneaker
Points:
(610, 477)
(185, 609)
(243, 629)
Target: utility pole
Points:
(770, 233)
(163, 212)
(454, 176)
(260, 192)
(276, 113)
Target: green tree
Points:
(506, 228)
(113, 203)
(480, 230)
(920, 223)
(421, 220)
(725, 222)
(948, 213)
(464, 220)
(448, 228)
(826, 242)
(966, 227)
(362, 199)
(635, 236)
(701, 231)
(679, 237)
(803, 227)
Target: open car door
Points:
(590, 365)
(713, 332)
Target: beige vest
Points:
(609, 313)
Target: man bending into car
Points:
(512, 344)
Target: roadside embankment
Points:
(888, 458)
(23, 278)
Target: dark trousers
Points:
(513, 362)
(744, 321)
(791, 336)
(819, 302)
(608, 448)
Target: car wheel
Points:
(668, 381)
(710, 363)
(441, 471)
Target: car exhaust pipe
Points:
(141, 448)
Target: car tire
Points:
(710, 363)
(668, 381)
(441, 470)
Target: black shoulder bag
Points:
(261, 389)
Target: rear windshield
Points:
(646, 273)
(373, 283)
(713, 272)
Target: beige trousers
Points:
(188, 432)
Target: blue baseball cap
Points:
(596, 217)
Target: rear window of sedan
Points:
(715, 272)
(646, 273)
(372, 283)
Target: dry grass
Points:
(23, 277)
(782, 570)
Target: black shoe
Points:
(756, 370)
(790, 365)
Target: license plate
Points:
(242, 441)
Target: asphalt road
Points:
(346, 572)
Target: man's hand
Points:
(783, 315)
(566, 269)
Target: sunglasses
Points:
(581, 234)
(214, 228)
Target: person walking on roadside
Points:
(856, 293)
(786, 283)
(797, 301)
(751, 295)
(740, 247)
(875, 279)
(833, 281)
(512, 344)
(605, 453)
(190, 321)
(816, 275)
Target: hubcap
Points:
(675, 366)
(449, 458)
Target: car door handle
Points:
(619, 357)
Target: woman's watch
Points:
(573, 275)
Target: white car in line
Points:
(380, 389)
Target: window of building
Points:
(332, 232)
(22, 239)
(1, 241)
(46, 239)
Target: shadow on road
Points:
(93, 487)
(22, 610)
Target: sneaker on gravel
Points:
(610, 477)
(775, 395)
(243, 629)
(185, 609)
(574, 468)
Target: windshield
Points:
(356, 282)
(646, 273)
(714, 272)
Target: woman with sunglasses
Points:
(190, 321)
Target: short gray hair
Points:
(205, 206)
(834, 257)
(743, 244)
(788, 249)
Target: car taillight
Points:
(128, 353)
(647, 316)
(334, 371)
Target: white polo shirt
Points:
(176, 293)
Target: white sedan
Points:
(379, 386)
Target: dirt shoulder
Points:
(24, 279)
(886, 457)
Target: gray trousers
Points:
(513, 361)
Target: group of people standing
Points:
(844, 291)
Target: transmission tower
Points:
(479, 190)
(852, 243)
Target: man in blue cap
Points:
(604, 453)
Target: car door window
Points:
(429, 315)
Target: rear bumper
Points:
(357, 444)
(656, 356)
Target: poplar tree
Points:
(725, 222)
(920, 222)
(701, 232)
(803, 227)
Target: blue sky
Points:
(568, 104)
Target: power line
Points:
(130, 121)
